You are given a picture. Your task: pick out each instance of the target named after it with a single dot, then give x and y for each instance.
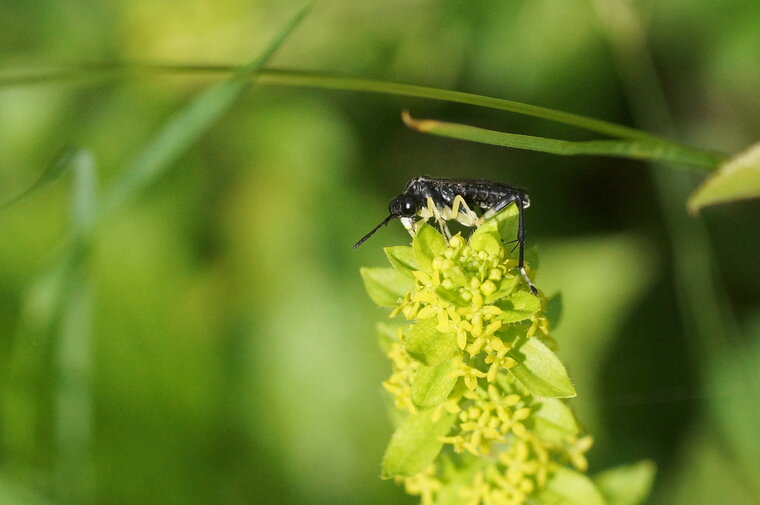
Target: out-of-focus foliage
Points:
(232, 356)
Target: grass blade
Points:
(296, 78)
(636, 149)
(74, 349)
(187, 125)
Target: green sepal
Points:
(403, 259)
(568, 487)
(428, 345)
(552, 420)
(385, 285)
(427, 244)
(416, 443)
(432, 385)
(540, 371)
(519, 306)
(628, 484)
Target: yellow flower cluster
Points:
(491, 438)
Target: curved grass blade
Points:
(737, 179)
(296, 78)
(74, 407)
(188, 124)
(60, 163)
(636, 149)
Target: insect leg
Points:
(462, 212)
(518, 200)
(433, 208)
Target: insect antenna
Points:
(368, 235)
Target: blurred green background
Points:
(224, 350)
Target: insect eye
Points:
(403, 205)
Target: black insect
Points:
(453, 199)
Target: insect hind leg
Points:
(500, 205)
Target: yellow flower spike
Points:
(492, 415)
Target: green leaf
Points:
(519, 306)
(403, 259)
(736, 179)
(432, 385)
(385, 285)
(428, 345)
(554, 310)
(427, 244)
(636, 149)
(540, 371)
(627, 485)
(187, 125)
(552, 420)
(503, 226)
(568, 487)
(415, 444)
